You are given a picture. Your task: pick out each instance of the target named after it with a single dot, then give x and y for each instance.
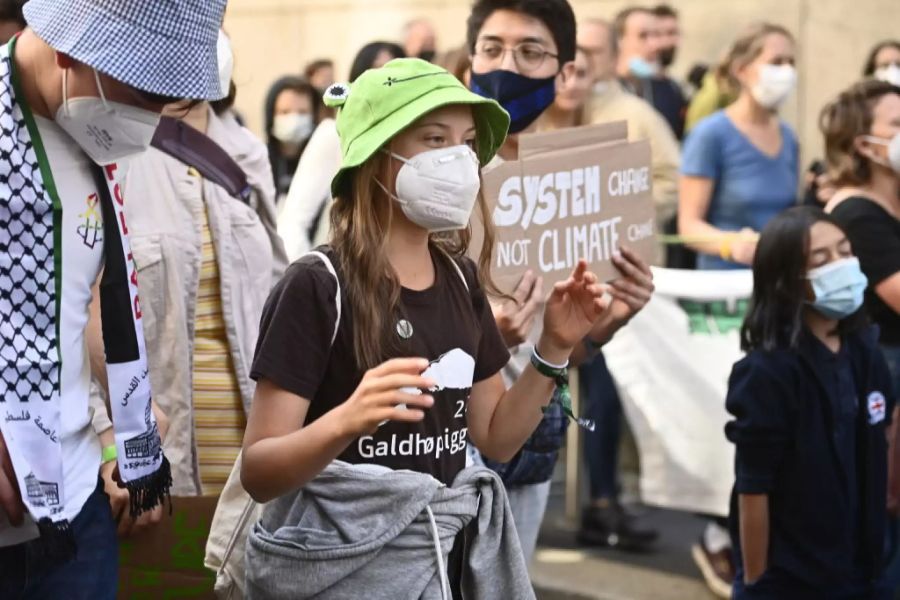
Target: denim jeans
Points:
(601, 447)
(528, 503)
(92, 575)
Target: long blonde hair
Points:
(360, 224)
(745, 49)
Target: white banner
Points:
(671, 365)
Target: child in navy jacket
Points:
(811, 403)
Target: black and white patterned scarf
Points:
(30, 301)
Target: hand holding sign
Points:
(572, 309)
(629, 295)
(631, 292)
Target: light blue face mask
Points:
(838, 287)
(641, 68)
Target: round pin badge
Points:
(404, 329)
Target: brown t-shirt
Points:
(451, 326)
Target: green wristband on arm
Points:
(109, 454)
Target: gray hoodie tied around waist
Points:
(365, 531)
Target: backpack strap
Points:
(456, 266)
(337, 295)
(195, 149)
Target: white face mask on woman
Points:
(437, 189)
(292, 128)
(107, 131)
(889, 73)
(893, 147)
(775, 84)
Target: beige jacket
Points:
(163, 211)
(644, 123)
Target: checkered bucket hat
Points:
(165, 47)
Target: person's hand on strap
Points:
(515, 318)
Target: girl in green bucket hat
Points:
(381, 348)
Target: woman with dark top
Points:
(812, 402)
(862, 147)
(382, 348)
(291, 115)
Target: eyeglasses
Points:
(527, 56)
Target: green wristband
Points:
(109, 454)
(560, 376)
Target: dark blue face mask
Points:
(524, 98)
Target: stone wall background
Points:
(276, 37)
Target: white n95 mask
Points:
(107, 131)
(775, 84)
(893, 146)
(437, 189)
(292, 128)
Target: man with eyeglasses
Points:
(521, 52)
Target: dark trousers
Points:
(601, 447)
(892, 539)
(92, 575)
(774, 585)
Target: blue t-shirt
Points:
(749, 187)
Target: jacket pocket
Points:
(152, 284)
(252, 243)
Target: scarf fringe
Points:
(150, 491)
(56, 543)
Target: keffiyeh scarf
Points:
(30, 297)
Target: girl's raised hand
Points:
(381, 392)
(572, 308)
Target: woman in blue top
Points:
(740, 165)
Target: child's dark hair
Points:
(775, 316)
(557, 15)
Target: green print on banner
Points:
(715, 318)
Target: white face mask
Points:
(893, 146)
(890, 74)
(107, 131)
(437, 189)
(775, 84)
(225, 58)
(292, 128)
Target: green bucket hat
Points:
(383, 102)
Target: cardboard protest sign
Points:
(573, 194)
(166, 561)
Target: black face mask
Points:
(427, 55)
(522, 97)
(667, 56)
